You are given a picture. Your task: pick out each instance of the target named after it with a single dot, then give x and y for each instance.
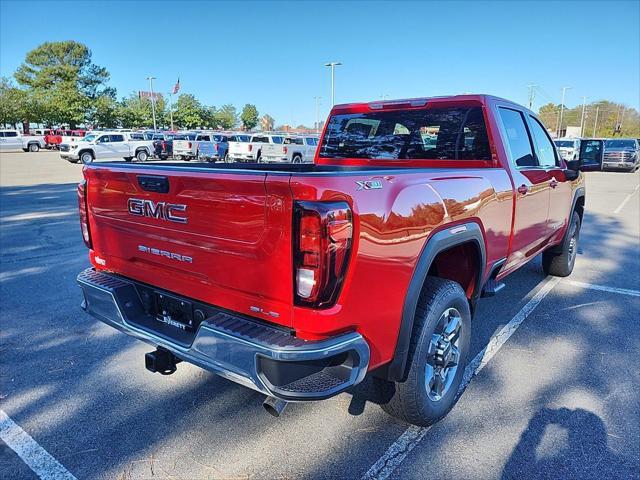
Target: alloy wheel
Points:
(443, 355)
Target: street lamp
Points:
(564, 89)
(317, 99)
(333, 65)
(153, 105)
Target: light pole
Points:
(532, 94)
(595, 123)
(333, 66)
(317, 99)
(153, 105)
(584, 106)
(564, 89)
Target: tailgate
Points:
(238, 147)
(182, 145)
(272, 150)
(221, 237)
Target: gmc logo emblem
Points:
(160, 210)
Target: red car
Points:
(297, 280)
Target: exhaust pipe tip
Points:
(274, 406)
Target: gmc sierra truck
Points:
(298, 280)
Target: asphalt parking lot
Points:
(556, 394)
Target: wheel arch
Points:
(465, 235)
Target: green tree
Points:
(226, 117)
(249, 116)
(12, 102)
(136, 112)
(104, 112)
(188, 112)
(62, 77)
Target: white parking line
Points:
(36, 457)
(398, 451)
(626, 199)
(603, 288)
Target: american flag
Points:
(176, 87)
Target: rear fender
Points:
(444, 239)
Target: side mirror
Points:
(573, 165)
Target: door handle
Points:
(523, 189)
(553, 183)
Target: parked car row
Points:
(602, 153)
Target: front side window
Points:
(544, 145)
(103, 139)
(518, 140)
(11, 134)
(434, 133)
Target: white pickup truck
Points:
(185, 146)
(14, 140)
(101, 145)
(251, 151)
(291, 150)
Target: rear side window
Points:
(10, 134)
(117, 138)
(518, 139)
(544, 146)
(435, 133)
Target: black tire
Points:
(142, 155)
(86, 157)
(25, 150)
(258, 157)
(128, 159)
(560, 263)
(414, 400)
(296, 159)
(71, 160)
(33, 147)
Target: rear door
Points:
(532, 185)
(560, 191)
(217, 236)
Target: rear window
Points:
(137, 136)
(182, 136)
(219, 138)
(294, 141)
(277, 139)
(565, 143)
(240, 138)
(436, 133)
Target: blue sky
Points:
(272, 54)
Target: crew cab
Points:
(291, 150)
(15, 140)
(251, 151)
(102, 145)
(298, 280)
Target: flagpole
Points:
(171, 109)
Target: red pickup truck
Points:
(297, 280)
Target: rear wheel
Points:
(142, 155)
(34, 147)
(437, 355)
(86, 157)
(297, 159)
(560, 263)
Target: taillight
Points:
(84, 217)
(322, 247)
(189, 145)
(164, 146)
(250, 147)
(215, 146)
(285, 150)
